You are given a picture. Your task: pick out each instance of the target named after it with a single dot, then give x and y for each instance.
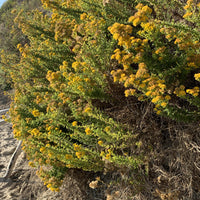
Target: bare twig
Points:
(12, 162)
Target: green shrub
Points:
(75, 55)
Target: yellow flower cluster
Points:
(87, 110)
(35, 132)
(63, 97)
(38, 99)
(121, 33)
(52, 182)
(130, 92)
(77, 147)
(31, 164)
(45, 3)
(160, 50)
(148, 27)
(194, 92)
(190, 4)
(170, 33)
(100, 142)
(141, 15)
(36, 113)
(142, 71)
(17, 133)
(55, 79)
(53, 76)
(186, 42)
(180, 91)
(83, 16)
(63, 67)
(108, 155)
(74, 123)
(79, 66)
(107, 129)
(63, 29)
(80, 154)
(197, 77)
(87, 131)
(90, 26)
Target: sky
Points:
(1, 2)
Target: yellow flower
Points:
(126, 67)
(147, 10)
(182, 93)
(136, 22)
(197, 76)
(19, 46)
(100, 142)
(35, 132)
(167, 97)
(148, 93)
(160, 50)
(158, 112)
(87, 131)
(194, 92)
(80, 154)
(31, 164)
(163, 104)
(127, 93)
(143, 85)
(3, 117)
(139, 6)
(36, 113)
(187, 14)
(87, 110)
(83, 16)
(76, 147)
(156, 99)
(47, 145)
(131, 19)
(108, 155)
(74, 123)
(42, 149)
(192, 64)
(80, 87)
(148, 26)
(107, 129)
(142, 65)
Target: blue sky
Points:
(1, 2)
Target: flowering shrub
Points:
(74, 56)
(158, 59)
(62, 72)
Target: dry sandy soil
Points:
(24, 183)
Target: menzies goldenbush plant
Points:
(75, 53)
(61, 77)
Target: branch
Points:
(12, 162)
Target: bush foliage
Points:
(78, 51)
